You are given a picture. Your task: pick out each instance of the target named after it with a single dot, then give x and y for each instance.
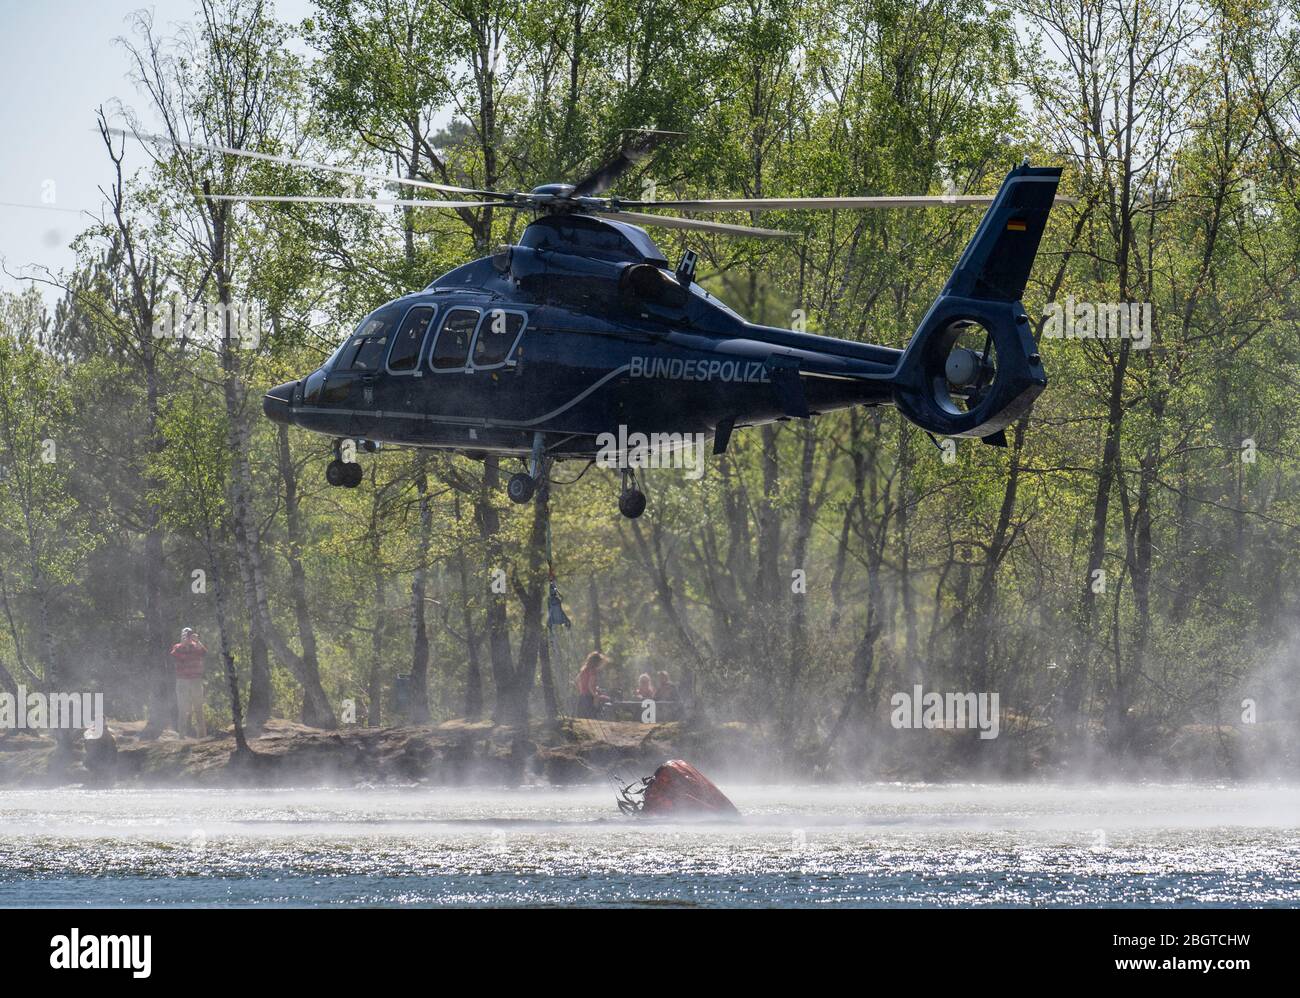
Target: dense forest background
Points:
(142, 490)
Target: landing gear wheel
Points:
(521, 487)
(632, 503)
(347, 474)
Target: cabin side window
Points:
(497, 335)
(409, 340)
(451, 348)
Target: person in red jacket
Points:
(188, 653)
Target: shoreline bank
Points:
(580, 751)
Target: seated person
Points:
(644, 691)
(664, 688)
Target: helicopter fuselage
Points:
(580, 330)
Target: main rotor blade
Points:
(670, 222)
(823, 204)
(642, 143)
(306, 163)
(311, 199)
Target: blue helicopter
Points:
(584, 333)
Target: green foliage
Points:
(973, 573)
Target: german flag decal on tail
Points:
(1016, 225)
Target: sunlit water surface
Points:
(888, 844)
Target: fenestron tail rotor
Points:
(971, 365)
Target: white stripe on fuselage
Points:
(464, 420)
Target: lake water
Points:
(875, 845)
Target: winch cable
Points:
(559, 639)
(557, 625)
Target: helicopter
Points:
(583, 330)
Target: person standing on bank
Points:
(188, 653)
(590, 696)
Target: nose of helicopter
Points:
(277, 401)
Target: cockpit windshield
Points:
(365, 349)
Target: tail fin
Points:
(983, 291)
(997, 260)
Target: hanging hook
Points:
(555, 615)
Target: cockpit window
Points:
(451, 348)
(370, 357)
(496, 336)
(365, 349)
(409, 339)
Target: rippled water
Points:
(874, 845)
